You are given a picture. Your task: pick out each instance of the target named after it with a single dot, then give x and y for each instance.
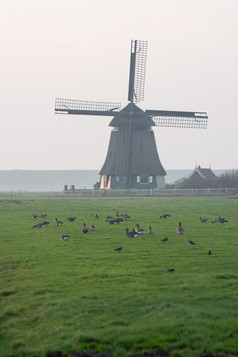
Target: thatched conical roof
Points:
(144, 158)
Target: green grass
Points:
(81, 295)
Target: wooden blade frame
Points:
(83, 107)
(174, 119)
(137, 71)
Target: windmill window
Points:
(144, 179)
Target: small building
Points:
(199, 178)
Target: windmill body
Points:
(132, 159)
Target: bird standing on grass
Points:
(150, 231)
(138, 229)
(58, 223)
(190, 242)
(180, 229)
(164, 239)
(85, 229)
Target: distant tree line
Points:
(229, 179)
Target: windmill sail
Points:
(177, 119)
(137, 71)
(85, 107)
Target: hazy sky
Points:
(81, 50)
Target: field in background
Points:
(82, 295)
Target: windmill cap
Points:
(132, 111)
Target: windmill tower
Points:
(132, 159)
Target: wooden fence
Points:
(128, 193)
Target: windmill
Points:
(132, 159)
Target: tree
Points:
(229, 179)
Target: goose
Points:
(44, 215)
(85, 229)
(119, 249)
(131, 234)
(171, 269)
(150, 231)
(39, 225)
(64, 236)
(190, 242)
(125, 216)
(135, 233)
(96, 216)
(71, 219)
(165, 215)
(221, 220)
(92, 228)
(35, 216)
(203, 220)
(209, 252)
(45, 223)
(118, 218)
(58, 223)
(138, 229)
(113, 221)
(164, 239)
(180, 230)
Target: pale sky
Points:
(81, 50)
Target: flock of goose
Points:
(180, 230)
(64, 237)
(135, 232)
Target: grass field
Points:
(82, 295)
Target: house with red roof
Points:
(199, 178)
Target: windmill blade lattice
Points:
(72, 106)
(177, 119)
(137, 70)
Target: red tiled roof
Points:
(207, 173)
